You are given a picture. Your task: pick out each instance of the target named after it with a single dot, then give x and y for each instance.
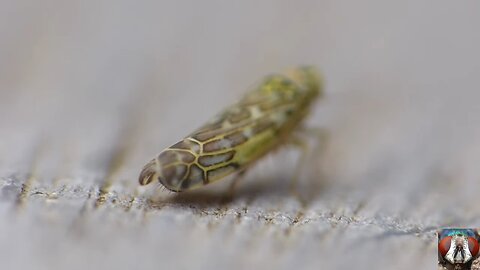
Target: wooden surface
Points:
(90, 91)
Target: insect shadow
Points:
(246, 192)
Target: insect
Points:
(458, 246)
(238, 136)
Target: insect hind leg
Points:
(228, 197)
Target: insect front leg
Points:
(300, 139)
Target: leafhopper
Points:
(240, 135)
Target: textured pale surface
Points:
(90, 91)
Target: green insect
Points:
(240, 135)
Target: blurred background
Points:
(91, 90)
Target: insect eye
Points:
(444, 245)
(473, 246)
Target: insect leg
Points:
(233, 185)
(321, 136)
(303, 147)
